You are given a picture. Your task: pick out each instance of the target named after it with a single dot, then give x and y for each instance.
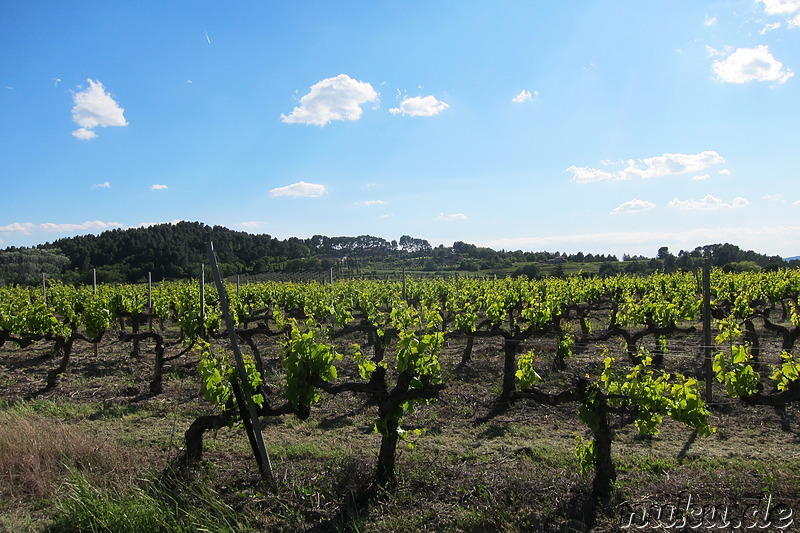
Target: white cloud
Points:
(88, 225)
(419, 106)
(84, 134)
(725, 172)
(94, 107)
(338, 98)
(50, 227)
(769, 27)
(773, 197)
(299, 189)
(710, 21)
(797, 202)
(772, 240)
(780, 7)
(523, 96)
(452, 217)
(250, 225)
(651, 167)
(701, 177)
(370, 203)
(21, 227)
(714, 52)
(633, 206)
(751, 64)
(794, 22)
(158, 187)
(104, 185)
(708, 203)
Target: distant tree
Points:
(25, 266)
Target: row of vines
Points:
(382, 341)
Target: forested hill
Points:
(175, 251)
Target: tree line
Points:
(175, 251)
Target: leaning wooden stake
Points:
(245, 401)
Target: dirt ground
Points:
(480, 465)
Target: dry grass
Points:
(37, 453)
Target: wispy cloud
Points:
(370, 203)
(159, 187)
(250, 225)
(763, 238)
(94, 107)
(708, 203)
(88, 225)
(419, 106)
(104, 185)
(751, 64)
(28, 227)
(769, 27)
(651, 167)
(299, 189)
(710, 21)
(338, 98)
(451, 217)
(633, 206)
(19, 227)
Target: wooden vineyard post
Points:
(203, 300)
(245, 402)
(94, 292)
(709, 372)
(150, 300)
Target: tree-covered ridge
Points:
(175, 251)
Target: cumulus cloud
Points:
(633, 206)
(708, 203)
(523, 96)
(725, 172)
(299, 189)
(158, 187)
(419, 106)
(651, 167)
(780, 7)
(338, 98)
(701, 177)
(751, 64)
(94, 107)
(452, 217)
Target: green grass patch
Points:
(147, 508)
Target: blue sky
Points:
(603, 127)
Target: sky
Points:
(595, 126)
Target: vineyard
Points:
(424, 404)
